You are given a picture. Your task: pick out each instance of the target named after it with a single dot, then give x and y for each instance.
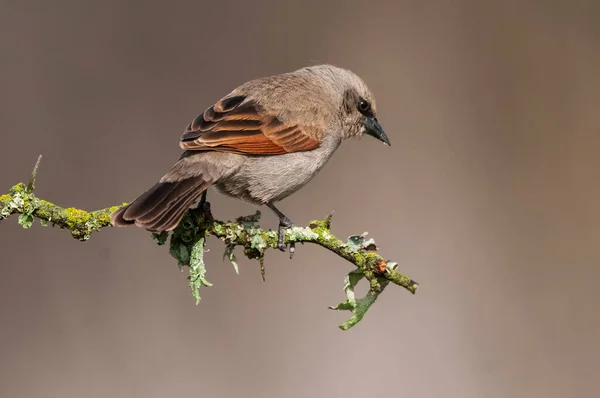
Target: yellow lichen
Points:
(76, 216)
(5, 197)
(104, 215)
(104, 218)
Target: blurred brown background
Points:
(488, 197)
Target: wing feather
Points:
(235, 124)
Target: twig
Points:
(31, 185)
(243, 232)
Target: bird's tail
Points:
(162, 207)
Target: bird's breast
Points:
(272, 178)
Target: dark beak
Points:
(374, 129)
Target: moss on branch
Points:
(81, 223)
(187, 242)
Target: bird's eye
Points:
(364, 107)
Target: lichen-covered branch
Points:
(81, 223)
(187, 242)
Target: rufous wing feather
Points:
(236, 125)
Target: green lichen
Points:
(19, 188)
(371, 259)
(230, 255)
(258, 243)
(249, 221)
(197, 277)
(324, 236)
(44, 212)
(358, 307)
(161, 238)
(316, 224)
(26, 220)
(301, 233)
(46, 203)
(218, 228)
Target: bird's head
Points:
(355, 104)
(358, 113)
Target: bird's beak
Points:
(374, 129)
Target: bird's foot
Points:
(204, 207)
(206, 212)
(284, 224)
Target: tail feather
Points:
(168, 220)
(162, 207)
(149, 200)
(164, 195)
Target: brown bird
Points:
(260, 143)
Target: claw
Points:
(206, 211)
(284, 223)
(204, 206)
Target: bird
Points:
(260, 143)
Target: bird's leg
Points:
(284, 223)
(204, 206)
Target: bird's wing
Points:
(239, 126)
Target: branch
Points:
(188, 239)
